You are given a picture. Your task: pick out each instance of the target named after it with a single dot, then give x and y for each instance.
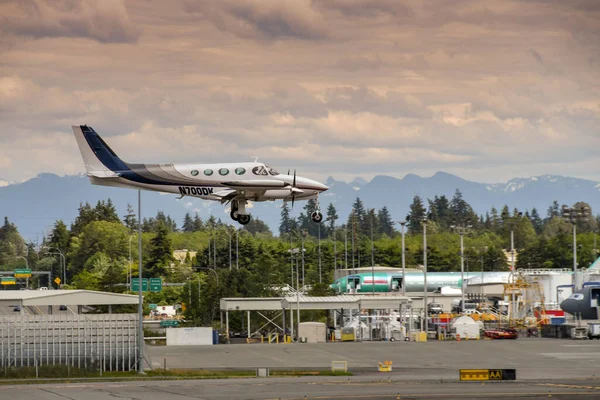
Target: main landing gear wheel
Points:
(243, 219)
(234, 214)
(316, 217)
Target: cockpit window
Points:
(577, 296)
(260, 170)
(271, 170)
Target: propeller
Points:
(293, 187)
(294, 190)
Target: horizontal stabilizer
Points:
(103, 174)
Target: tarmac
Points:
(306, 388)
(533, 358)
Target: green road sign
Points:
(169, 323)
(135, 284)
(22, 273)
(155, 284)
(153, 306)
(9, 281)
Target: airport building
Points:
(61, 327)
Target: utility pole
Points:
(461, 229)
(402, 224)
(425, 273)
(346, 247)
(334, 254)
(319, 244)
(575, 215)
(353, 228)
(372, 255)
(141, 287)
(237, 251)
(302, 235)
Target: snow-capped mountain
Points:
(35, 204)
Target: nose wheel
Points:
(316, 216)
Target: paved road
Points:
(297, 388)
(533, 358)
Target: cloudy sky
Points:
(484, 89)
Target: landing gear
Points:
(238, 212)
(243, 219)
(316, 216)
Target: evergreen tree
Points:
(359, 217)
(461, 210)
(553, 211)
(332, 216)
(385, 223)
(161, 253)
(59, 237)
(188, 223)
(106, 211)
(536, 221)
(86, 215)
(198, 224)
(417, 213)
(257, 226)
(130, 219)
(285, 225)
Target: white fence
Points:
(99, 341)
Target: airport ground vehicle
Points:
(501, 333)
(435, 308)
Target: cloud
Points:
(106, 21)
(269, 19)
(485, 89)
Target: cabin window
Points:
(223, 171)
(240, 171)
(272, 171)
(208, 172)
(194, 172)
(259, 170)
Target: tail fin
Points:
(99, 159)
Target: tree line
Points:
(100, 248)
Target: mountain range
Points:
(34, 205)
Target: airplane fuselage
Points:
(191, 180)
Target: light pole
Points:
(141, 289)
(130, 275)
(574, 215)
(372, 214)
(62, 257)
(403, 224)
(237, 250)
(346, 247)
(424, 221)
(319, 246)
(227, 231)
(461, 229)
(303, 235)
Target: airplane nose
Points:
(320, 186)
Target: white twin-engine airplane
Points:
(234, 183)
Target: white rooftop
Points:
(64, 297)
